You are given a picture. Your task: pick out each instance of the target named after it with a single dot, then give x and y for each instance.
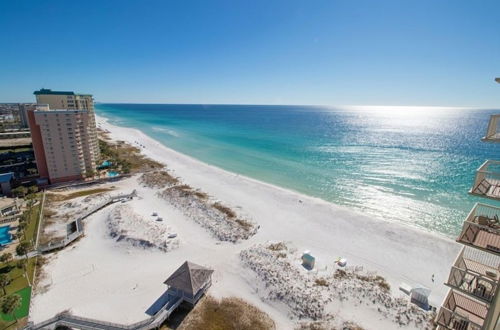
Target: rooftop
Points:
(5, 202)
(15, 143)
(189, 277)
(46, 91)
(6, 177)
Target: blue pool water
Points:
(408, 164)
(112, 174)
(5, 237)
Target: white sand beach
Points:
(101, 277)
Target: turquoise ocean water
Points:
(413, 165)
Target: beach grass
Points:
(213, 314)
(158, 179)
(52, 197)
(224, 209)
(126, 158)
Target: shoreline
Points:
(182, 165)
(101, 120)
(98, 272)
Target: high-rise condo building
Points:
(64, 135)
(473, 301)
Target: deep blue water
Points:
(413, 165)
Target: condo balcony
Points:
(487, 181)
(460, 312)
(476, 273)
(493, 131)
(481, 228)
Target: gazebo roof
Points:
(189, 277)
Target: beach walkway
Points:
(52, 246)
(76, 322)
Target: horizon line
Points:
(317, 105)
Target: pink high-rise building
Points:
(64, 135)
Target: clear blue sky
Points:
(400, 52)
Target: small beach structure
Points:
(419, 295)
(308, 260)
(341, 262)
(189, 282)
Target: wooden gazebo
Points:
(189, 282)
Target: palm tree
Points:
(4, 281)
(21, 227)
(10, 304)
(22, 249)
(6, 257)
(19, 191)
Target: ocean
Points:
(414, 165)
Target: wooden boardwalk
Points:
(77, 322)
(79, 232)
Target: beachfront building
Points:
(64, 135)
(473, 301)
(71, 101)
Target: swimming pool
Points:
(5, 236)
(105, 164)
(112, 174)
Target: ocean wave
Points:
(165, 130)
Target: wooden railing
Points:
(471, 283)
(481, 228)
(451, 320)
(487, 179)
